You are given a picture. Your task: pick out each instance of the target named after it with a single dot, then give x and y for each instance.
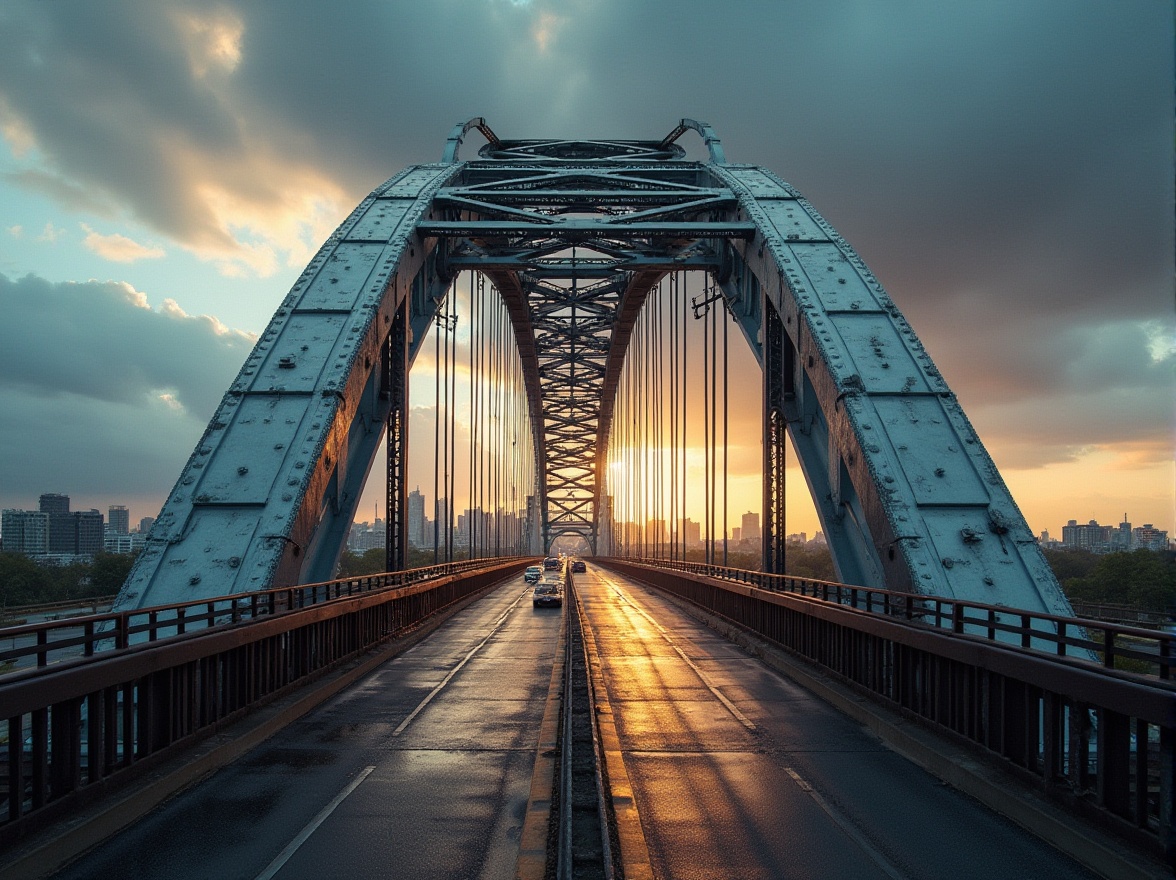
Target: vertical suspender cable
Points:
(659, 410)
(436, 438)
(685, 397)
(714, 399)
(647, 425)
(707, 519)
(451, 405)
(726, 422)
(673, 415)
(470, 518)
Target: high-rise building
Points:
(89, 532)
(691, 532)
(41, 533)
(25, 531)
(61, 536)
(656, 533)
(119, 519)
(416, 518)
(1091, 536)
(751, 526)
(145, 524)
(1148, 537)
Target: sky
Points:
(168, 167)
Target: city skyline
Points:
(1007, 180)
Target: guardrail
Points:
(50, 641)
(1100, 740)
(155, 686)
(40, 607)
(1125, 614)
(1141, 649)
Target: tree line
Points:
(24, 582)
(1142, 579)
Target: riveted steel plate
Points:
(880, 355)
(296, 360)
(256, 441)
(930, 452)
(341, 279)
(833, 278)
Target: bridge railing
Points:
(52, 641)
(1099, 740)
(72, 729)
(1116, 645)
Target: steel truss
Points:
(574, 234)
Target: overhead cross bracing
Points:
(586, 228)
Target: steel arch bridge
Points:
(574, 234)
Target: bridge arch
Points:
(574, 234)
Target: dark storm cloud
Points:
(101, 341)
(1004, 168)
(92, 360)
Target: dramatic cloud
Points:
(95, 361)
(1004, 168)
(118, 248)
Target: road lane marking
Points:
(449, 677)
(292, 847)
(842, 821)
(846, 825)
(731, 707)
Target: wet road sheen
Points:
(739, 773)
(422, 770)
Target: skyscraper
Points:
(25, 531)
(119, 520)
(62, 534)
(751, 526)
(416, 519)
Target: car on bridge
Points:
(552, 563)
(547, 595)
(578, 565)
(531, 575)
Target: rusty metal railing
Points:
(1099, 740)
(51, 641)
(1140, 649)
(162, 679)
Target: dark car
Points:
(531, 575)
(579, 565)
(547, 595)
(552, 563)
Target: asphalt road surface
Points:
(420, 770)
(739, 773)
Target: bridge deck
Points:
(739, 773)
(736, 771)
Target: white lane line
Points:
(452, 672)
(843, 822)
(846, 825)
(731, 707)
(284, 856)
